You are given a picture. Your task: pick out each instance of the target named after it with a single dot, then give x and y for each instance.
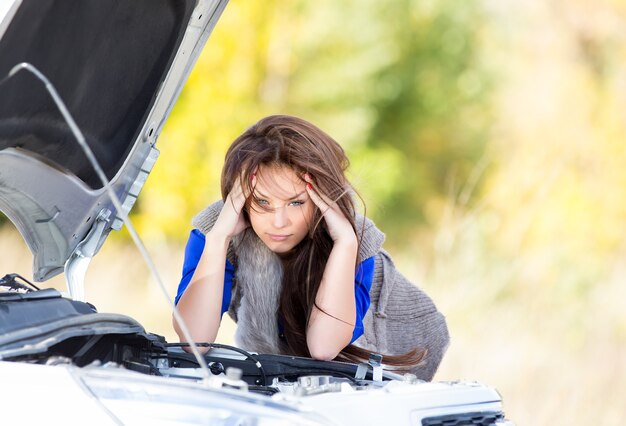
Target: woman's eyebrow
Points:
(261, 195)
(297, 195)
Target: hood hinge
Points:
(76, 265)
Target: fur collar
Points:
(258, 280)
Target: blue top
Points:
(362, 283)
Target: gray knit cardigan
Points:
(400, 318)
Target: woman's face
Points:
(283, 218)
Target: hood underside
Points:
(118, 65)
(106, 59)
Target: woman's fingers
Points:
(324, 203)
(338, 225)
(319, 202)
(237, 193)
(231, 220)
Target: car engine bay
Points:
(43, 327)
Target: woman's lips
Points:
(275, 237)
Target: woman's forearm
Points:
(200, 304)
(331, 323)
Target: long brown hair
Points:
(281, 140)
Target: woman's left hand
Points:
(339, 226)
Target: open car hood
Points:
(118, 65)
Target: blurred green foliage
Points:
(400, 85)
(432, 106)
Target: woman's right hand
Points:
(231, 220)
(200, 305)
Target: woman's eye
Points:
(263, 202)
(296, 203)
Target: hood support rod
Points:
(76, 265)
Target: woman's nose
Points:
(280, 218)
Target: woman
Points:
(295, 266)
